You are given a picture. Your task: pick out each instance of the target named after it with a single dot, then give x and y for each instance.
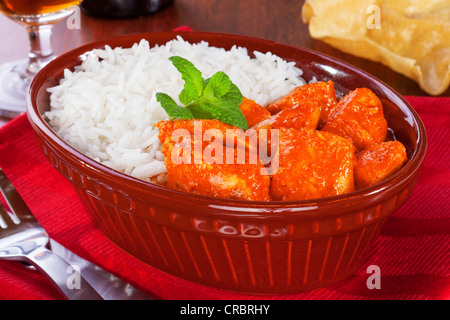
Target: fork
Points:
(23, 239)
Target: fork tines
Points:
(19, 209)
(7, 217)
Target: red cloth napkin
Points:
(412, 251)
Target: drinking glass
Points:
(38, 17)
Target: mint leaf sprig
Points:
(213, 98)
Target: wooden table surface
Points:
(278, 20)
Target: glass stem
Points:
(41, 52)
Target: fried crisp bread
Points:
(412, 37)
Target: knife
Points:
(106, 284)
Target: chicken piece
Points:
(378, 163)
(358, 117)
(317, 94)
(210, 168)
(230, 135)
(298, 117)
(253, 112)
(312, 164)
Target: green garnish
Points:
(214, 98)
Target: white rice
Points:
(106, 108)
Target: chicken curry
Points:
(322, 147)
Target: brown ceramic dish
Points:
(257, 247)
